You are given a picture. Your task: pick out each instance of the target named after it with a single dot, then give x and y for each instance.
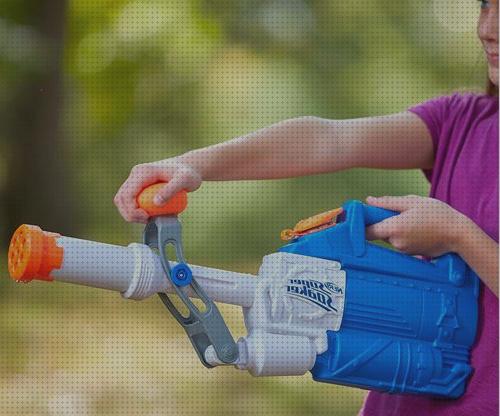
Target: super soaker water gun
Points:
(349, 311)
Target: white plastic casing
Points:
(267, 354)
(298, 298)
(287, 309)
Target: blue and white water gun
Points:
(349, 311)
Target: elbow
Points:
(314, 124)
(308, 120)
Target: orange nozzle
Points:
(316, 220)
(173, 206)
(312, 224)
(33, 254)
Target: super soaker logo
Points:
(319, 293)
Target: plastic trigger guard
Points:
(204, 328)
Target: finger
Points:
(130, 213)
(138, 215)
(136, 183)
(382, 230)
(126, 198)
(376, 232)
(122, 208)
(396, 203)
(170, 189)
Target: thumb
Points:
(395, 203)
(168, 190)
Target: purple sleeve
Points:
(433, 112)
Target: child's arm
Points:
(295, 147)
(312, 145)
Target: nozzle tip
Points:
(33, 254)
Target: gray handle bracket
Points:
(204, 327)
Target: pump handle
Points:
(174, 206)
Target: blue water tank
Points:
(408, 324)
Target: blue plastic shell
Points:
(408, 324)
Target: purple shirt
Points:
(464, 130)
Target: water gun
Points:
(349, 311)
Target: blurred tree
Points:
(37, 175)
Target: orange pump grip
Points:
(173, 206)
(33, 254)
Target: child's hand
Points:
(179, 176)
(426, 226)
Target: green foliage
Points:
(147, 80)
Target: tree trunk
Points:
(37, 190)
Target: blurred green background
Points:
(90, 88)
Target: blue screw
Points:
(181, 274)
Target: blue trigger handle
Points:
(357, 216)
(372, 214)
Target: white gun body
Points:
(285, 330)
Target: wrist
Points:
(461, 231)
(192, 160)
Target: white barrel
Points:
(100, 265)
(136, 272)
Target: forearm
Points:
(311, 145)
(291, 148)
(480, 252)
